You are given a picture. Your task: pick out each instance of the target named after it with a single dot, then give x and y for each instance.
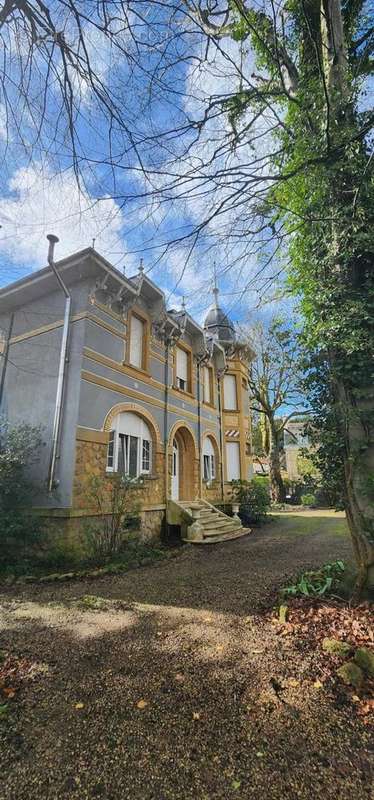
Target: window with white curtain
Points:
(130, 446)
(137, 326)
(229, 393)
(209, 460)
(207, 385)
(233, 461)
(182, 369)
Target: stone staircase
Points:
(209, 525)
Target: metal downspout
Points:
(199, 425)
(5, 358)
(221, 436)
(62, 364)
(166, 381)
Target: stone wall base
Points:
(71, 534)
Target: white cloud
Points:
(39, 203)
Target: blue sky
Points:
(120, 210)
(39, 192)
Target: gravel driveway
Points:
(164, 686)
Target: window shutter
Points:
(182, 364)
(110, 453)
(136, 341)
(229, 390)
(233, 461)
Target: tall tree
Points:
(315, 56)
(275, 384)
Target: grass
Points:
(324, 521)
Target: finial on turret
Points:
(141, 267)
(183, 304)
(215, 287)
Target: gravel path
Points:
(165, 688)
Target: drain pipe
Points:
(62, 364)
(221, 437)
(166, 421)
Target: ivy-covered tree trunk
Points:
(352, 262)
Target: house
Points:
(122, 384)
(296, 440)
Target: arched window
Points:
(209, 460)
(129, 446)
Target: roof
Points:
(219, 324)
(83, 264)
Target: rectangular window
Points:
(229, 393)
(146, 455)
(207, 388)
(182, 369)
(233, 461)
(136, 342)
(110, 454)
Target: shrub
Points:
(308, 499)
(20, 528)
(119, 515)
(253, 498)
(317, 582)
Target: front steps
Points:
(215, 526)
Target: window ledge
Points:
(183, 392)
(141, 370)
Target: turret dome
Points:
(218, 324)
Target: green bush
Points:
(20, 529)
(308, 499)
(317, 582)
(253, 498)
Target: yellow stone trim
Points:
(120, 408)
(102, 324)
(91, 435)
(176, 427)
(46, 328)
(92, 377)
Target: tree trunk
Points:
(359, 479)
(355, 401)
(277, 490)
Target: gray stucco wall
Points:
(31, 379)
(31, 382)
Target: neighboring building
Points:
(295, 440)
(147, 391)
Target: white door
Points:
(175, 473)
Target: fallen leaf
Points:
(318, 685)
(293, 682)
(236, 784)
(79, 705)
(179, 677)
(355, 698)
(9, 692)
(195, 715)
(220, 648)
(142, 704)
(260, 754)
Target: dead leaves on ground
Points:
(14, 671)
(310, 621)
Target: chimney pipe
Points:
(62, 364)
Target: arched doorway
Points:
(182, 449)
